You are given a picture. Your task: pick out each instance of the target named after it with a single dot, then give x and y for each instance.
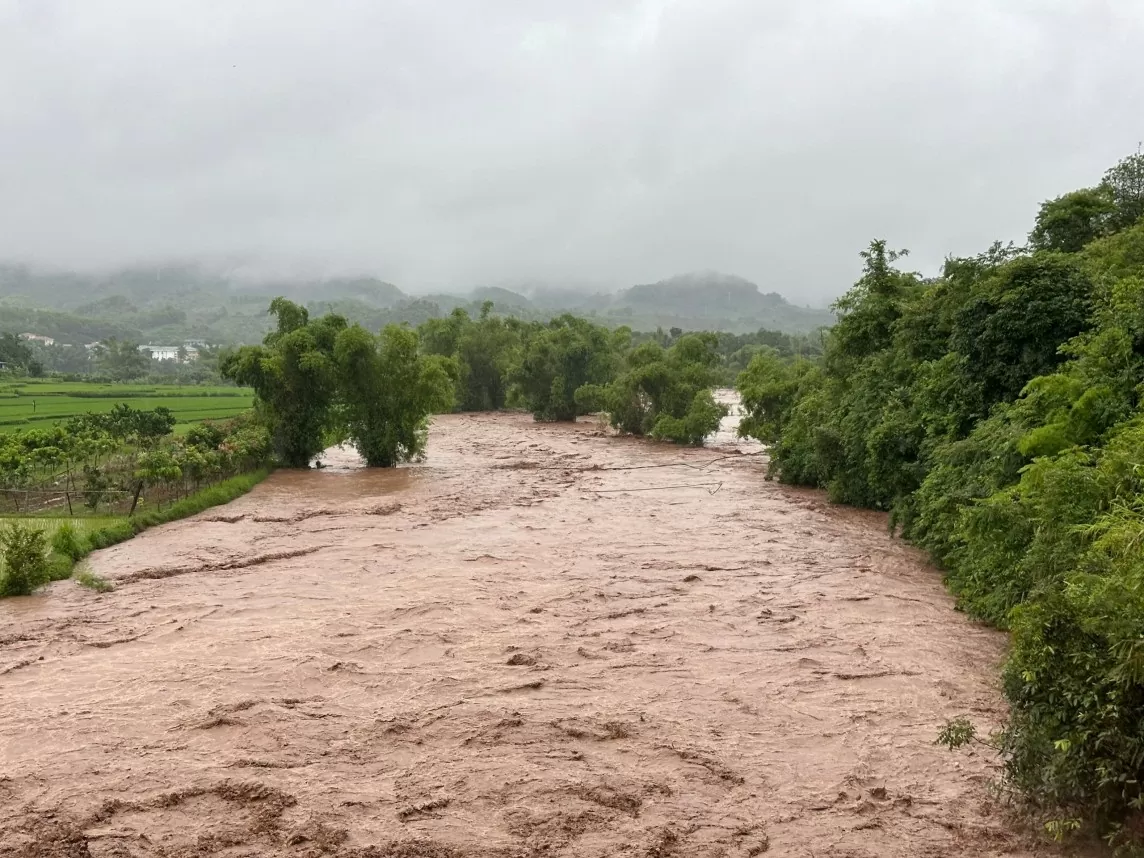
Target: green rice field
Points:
(32, 403)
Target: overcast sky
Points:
(448, 143)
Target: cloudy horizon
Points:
(615, 142)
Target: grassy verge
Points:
(49, 524)
(216, 495)
(72, 539)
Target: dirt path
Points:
(516, 649)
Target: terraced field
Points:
(33, 403)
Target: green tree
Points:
(695, 425)
(768, 388)
(96, 486)
(558, 359)
(14, 352)
(484, 352)
(158, 467)
(122, 360)
(1071, 221)
(665, 393)
(388, 390)
(149, 427)
(294, 380)
(869, 311)
(1124, 184)
(1013, 324)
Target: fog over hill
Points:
(454, 144)
(179, 302)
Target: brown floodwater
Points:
(542, 641)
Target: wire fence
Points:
(74, 502)
(80, 500)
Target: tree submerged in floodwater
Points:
(663, 393)
(321, 381)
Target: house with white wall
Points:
(161, 352)
(170, 352)
(38, 338)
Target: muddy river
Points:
(543, 641)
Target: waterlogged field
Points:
(33, 404)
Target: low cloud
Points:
(461, 142)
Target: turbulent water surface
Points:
(543, 641)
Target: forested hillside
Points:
(704, 300)
(164, 305)
(996, 413)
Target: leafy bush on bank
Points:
(25, 562)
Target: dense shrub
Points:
(294, 380)
(25, 561)
(484, 352)
(696, 424)
(66, 541)
(1077, 668)
(664, 393)
(388, 390)
(561, 357)
(216, 495)
(110, 535)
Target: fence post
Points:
(135, 500)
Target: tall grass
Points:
(51, 524)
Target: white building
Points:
(38, 338)
(190, 353)
(161, 352)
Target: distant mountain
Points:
(368, 290)
(501, 298)
(68, 290)
(701, 294)
(178, 302)
(567, 298)
(711, 299)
